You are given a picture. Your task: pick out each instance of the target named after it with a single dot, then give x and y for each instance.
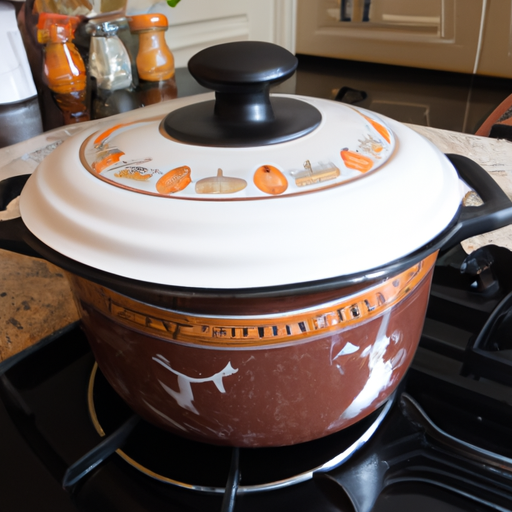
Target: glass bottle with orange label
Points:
(64, 69)
(155, 62)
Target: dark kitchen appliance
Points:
(444, 445)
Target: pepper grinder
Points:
(155, 61)
(110, 71)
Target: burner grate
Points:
(204, 467)
(490, 354)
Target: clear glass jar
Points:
(109, 61)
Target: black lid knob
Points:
(231, 67)
(242, 114)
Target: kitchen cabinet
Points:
(466, 36)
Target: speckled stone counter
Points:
(35, 300)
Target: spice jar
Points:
(111, 71)
(155, 62)
(64, 69)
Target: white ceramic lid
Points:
(129, 200)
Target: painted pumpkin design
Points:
(270, 180)
(103, 136)
(220, 184)
(106, 158)
(380, 129)
(174, 180)
(356, 161)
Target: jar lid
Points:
(354, 193)
(102, 28)
(138, 22)
(56, 28)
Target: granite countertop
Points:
(35, 299)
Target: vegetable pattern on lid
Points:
(177, 174)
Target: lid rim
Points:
(155, 292)
(231, 245)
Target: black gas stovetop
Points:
(443, 443)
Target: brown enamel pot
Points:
(259, 379)
(229, 295)
(266, 366)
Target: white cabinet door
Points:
(436, 34)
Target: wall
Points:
(197, 24)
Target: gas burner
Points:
(204, 467)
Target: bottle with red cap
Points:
(64, 69)
(155, 62)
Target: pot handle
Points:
(12, 231)
(495, 213)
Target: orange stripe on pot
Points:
(253, 330)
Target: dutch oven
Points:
(254, 269)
